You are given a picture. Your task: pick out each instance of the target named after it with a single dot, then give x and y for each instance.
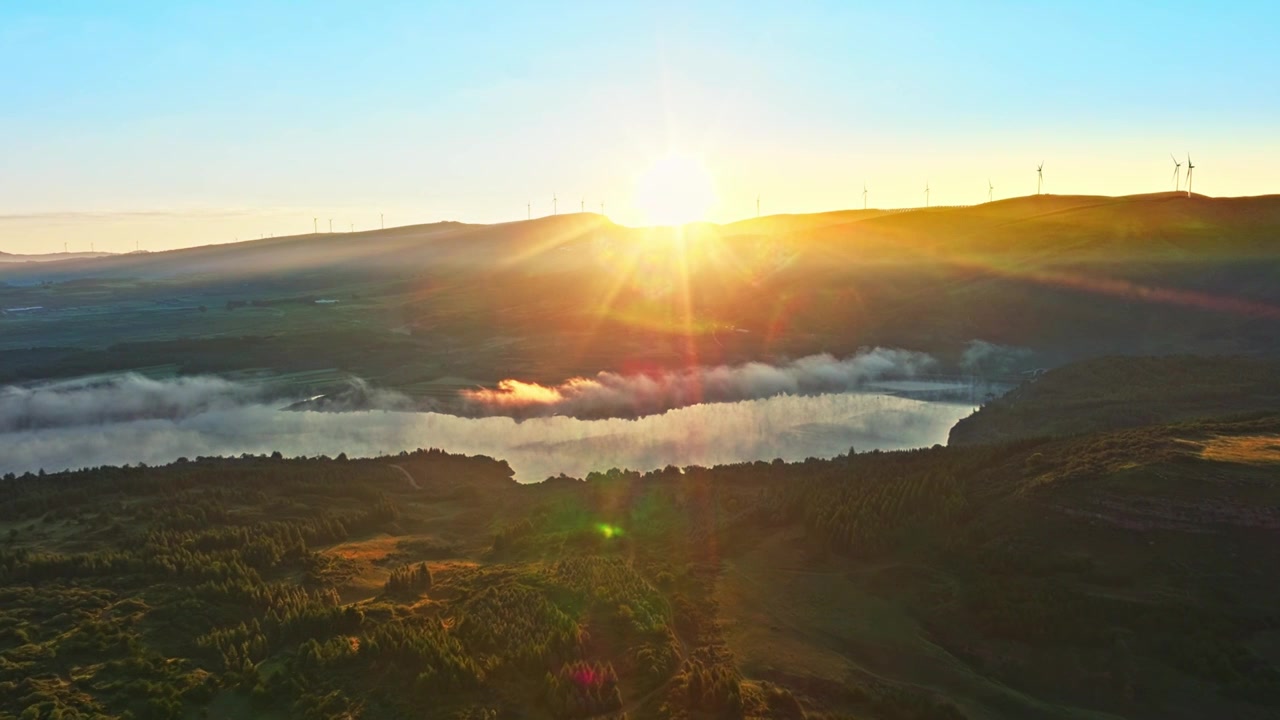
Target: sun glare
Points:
(675, 190)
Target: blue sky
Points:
(232, 119)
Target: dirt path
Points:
(408, 477)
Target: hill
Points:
(1119, 392)
(1061, 278)
(1152, 225)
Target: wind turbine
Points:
(864, 196)
(1190, 167)
(602, 207)
(1177, 168)
(315, 226)
(330, 224)
(757, 206)
(926, 193)
(382, 222)
(582, 205)
(990, 188)
(528, 208)
(555, 204)
(1039, 176)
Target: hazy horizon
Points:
(129, 222)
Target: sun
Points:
(675, 190)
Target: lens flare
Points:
(609, 531)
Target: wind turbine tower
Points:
(382, 222)
(926, 193)
(582, 205)
(990, 189)
(555, 204)
(757, 206)
(1190, 167)
(528, 208)
(330, 224)
(1039, 177)
(864, 196)
(315, 226)
(1177, 171)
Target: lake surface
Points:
(789, 427)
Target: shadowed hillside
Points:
(1113, 393)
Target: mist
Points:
(114, 398)
(101, 422)
(613, 395)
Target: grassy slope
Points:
(826, 625)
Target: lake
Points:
(790, 427)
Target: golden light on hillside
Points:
(675, 190)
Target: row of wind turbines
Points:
(1177, 182)
(582, 206)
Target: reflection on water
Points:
(787, 427)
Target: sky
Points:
(164, 124)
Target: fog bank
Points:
(115, 398)
(610, 394)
